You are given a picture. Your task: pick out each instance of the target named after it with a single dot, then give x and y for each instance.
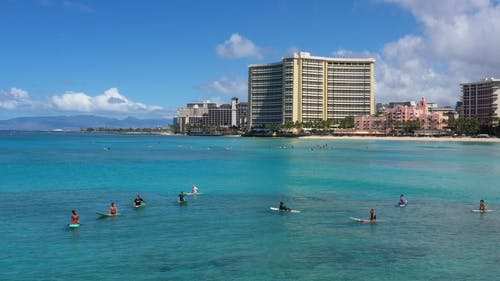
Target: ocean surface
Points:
(229, 232)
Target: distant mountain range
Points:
(78, 122)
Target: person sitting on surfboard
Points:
(181, 196)
(373, 216)
(194, 190)
(75, 218)
(283, 207)
(482, 206)
(138, 200)
(402, 200)
(113, 210)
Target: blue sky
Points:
(147, 58)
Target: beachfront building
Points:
(427, 118)
(422, 113)
(480, 100)
(198, 117)
(370, 123)
(404, 113)
(305, 88)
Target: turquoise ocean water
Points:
(229, 233)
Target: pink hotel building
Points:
(403, 113)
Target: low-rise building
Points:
(205, 116)
(400, 113)
(370, 123)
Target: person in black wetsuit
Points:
(138, 200)
(283, 207)
(373, 216)
(181, 196)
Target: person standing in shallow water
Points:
(373, 216)
(181, 196)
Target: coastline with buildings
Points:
(405, 138)
(253, 140)
(304, 95)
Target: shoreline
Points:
(386, 138)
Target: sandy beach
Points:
(436, 139)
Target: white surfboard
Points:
(481, 211)
(365, 220)
(106, 215)
(191, 193)
(278, 209)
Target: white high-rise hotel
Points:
(307, 88)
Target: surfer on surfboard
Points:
(402, 200)
(373, 216)
(75, 218)
(482, 206)
(138, 201)
(283, 207)
(181, 196)
(113, 210)
(194, 190)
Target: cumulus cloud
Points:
(14, 98)
(237, 47)
(110, 101)
(458, 44)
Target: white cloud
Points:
(229, 87)
(225, 88)
(237, 47)
(459, 43)
(110, 101)
(14, 98)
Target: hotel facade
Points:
(305, 88)
(404, 112)
(197, 117)
(481, 99)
